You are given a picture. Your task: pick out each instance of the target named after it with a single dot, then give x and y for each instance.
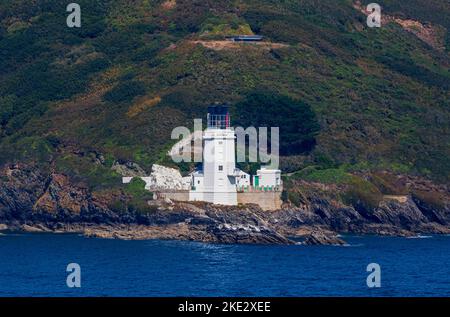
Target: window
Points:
(220, 168)
(198, 182)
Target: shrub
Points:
(83, 169)
(362, 195)
(125, 91)
(118, 206)
(388, 184)
(136, 188)
(327, 176)
(30, 149)
(297, 122)
(284, 195)
(432, 200)
(139, 197)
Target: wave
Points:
(353, 245)
(419, 237)
(2, 234)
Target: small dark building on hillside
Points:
(245, 38)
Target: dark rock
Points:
(47, 200)
(226, 233)
(320, 238)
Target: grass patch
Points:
(326, 176)
(362, 195)
(431, 200)
(125, 91)
(81, 168)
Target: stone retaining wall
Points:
(270, 200)
(180, 195)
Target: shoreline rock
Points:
(33, 201)
(181, 231)
(320, 238)
(222, 233)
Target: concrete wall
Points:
(269, 177)
(266, 200)
(270, 200)
(180, 195)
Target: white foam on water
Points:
(11, 234)
(419, 237)
(353, 245)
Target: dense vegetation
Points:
(296, 121)
(343, 94)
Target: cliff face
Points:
(32, 200)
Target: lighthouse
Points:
(219, 163)
(216, 183)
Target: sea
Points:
(36, 264)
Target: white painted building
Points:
(267, 178)
(219, 172)
(243, 179)
(186, 181)
(127, 179)
(196, 188)
(219, 179)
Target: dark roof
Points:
(218, 109)
(246, 37)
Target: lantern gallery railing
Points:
(248, 189)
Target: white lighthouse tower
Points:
(219, 158)
(217, 182)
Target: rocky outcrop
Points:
(390, 218)
(165, 178)
(433, 35)
(128, 169)
(59, 194)
(321, 238)
(34, 201)
(241, 233)
(161, 177)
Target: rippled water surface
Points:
(35, 265)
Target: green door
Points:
(256, 181)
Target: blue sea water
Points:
(35, 265)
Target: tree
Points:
(297, 121)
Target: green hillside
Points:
(376, 99)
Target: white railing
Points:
(251, 189)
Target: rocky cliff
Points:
(34, 200)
